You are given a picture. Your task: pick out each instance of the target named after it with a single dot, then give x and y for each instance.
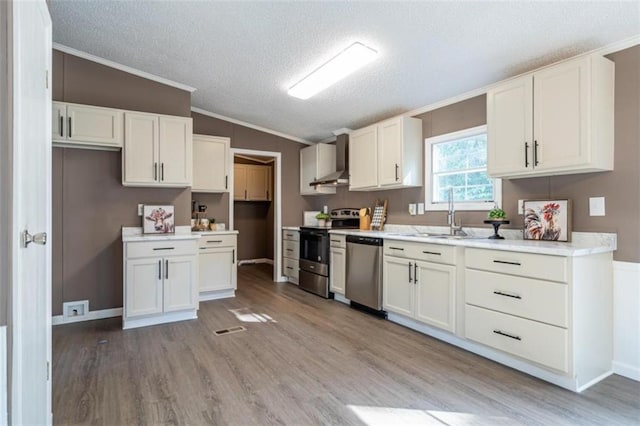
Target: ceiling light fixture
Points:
(344, 63)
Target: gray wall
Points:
(621, 187)
(90, 205)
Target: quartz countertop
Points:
(134, 234)
(226, 232)
(583, 244)
(291, 228)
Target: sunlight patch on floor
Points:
(245, 315)
(383, 416)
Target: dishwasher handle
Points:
(370, 241)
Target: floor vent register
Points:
(229, 330)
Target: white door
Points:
(435, 295)
(510, 127)
(58, 120)
(210, 164)
(390, 152)
(308, 169)
(143, 293)
(30, 320)
(338, 269)
(140, 152)
(180, 283)
(398, 291)
(176, 145)
(363, 158)
(99, 126)
(217, 269)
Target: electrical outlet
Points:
(420, 208)
(75, 311)
(596, 206)
(140, 209)
(521, 207)
(412, 209)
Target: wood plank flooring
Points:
(303, 360)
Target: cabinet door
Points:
(363, 158)
(94, 125)
(510, 128)
(140, 151)
(210, 164)
(398, 292)
(175, 152)
(258, 185)
(217, 269)
(561, 115)
(337, 272)
(240, 182)
(180, 283)
(308, 169)
(390, 152)
(435, 295)
(143, 287)
(58, 121)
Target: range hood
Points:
(341, 176)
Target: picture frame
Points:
(158, 219)
(547, 220)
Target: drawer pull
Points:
(515, 296)
(214, 241)
(289, 267)
(396, 248)
(335, 241)
(164, 248)
(504, 262)
(410, 279)
(289, 249)
(511, 336)
(432, 252)
(159, 270)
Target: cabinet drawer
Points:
(290, 235)
(437, 253)
(552, 268)
(542, 301)
(534, 341)
(290, 268)
(208, 241)
(161, 248)
(291, 249)
(338, 241)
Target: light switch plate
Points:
(420, 208)
(140, 209)
(412, 209)
(596, 206)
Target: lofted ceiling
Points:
(242, 56)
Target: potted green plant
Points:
(322, 218)
(497, 214)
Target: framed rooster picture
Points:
(548, 220)
(158, 220)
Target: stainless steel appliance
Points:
(363, 284)
(314, 252)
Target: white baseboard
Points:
(164, 318)
(91, 315)
(626, 319)
(340, 298)
(254, 261)
(626, 370)
(215, 295)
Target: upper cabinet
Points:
(157, 150)
(86, 126)
(251, 182)
(386, 155)
(558, 120)
(316, 161)
(210, 164)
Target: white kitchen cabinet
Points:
(337, 263)
(85, 126)
(316, 161)
(290, 254)
(251, 182)
(386, 155)
(160, 282)
(217, 266)
(558, 120)
(158, 150)
(210, 163)
(420, 289)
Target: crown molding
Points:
(251, 126)
(127, 69)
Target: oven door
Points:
(314, 246)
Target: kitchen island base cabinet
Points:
(217, 266)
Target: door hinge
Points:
(48, 371)
(46, 76)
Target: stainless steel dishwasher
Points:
(363, 284)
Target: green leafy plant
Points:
(321, 216)
(497, 214)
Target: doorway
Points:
(241, 191)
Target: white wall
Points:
(626, 319)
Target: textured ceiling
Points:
(243, 56)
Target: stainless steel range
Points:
(314, 251)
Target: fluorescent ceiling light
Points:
(349, 60)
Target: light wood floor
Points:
(302, 360)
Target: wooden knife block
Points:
(365, 223)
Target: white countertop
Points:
(291, 228)
(134, 234)
(226, 232)
(584, 243)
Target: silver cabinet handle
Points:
(155, 171)
(61, 126)
(435, 253)
(526, 155)
(415, 273)
(233, 256)
(511, 336)
(504, 262)
(159, 270)
(166, 269)
(396, 172)
(162, 172)
(214, 241)
(396, 248)
(226, 182)
(535, 153)
(69, 130)
(410, 279)
(27, 238)
(500, 293)
(163, 248)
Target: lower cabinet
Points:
(421, 290)
(290, 254)
(217, 266)
(159, 288)
(337, 273)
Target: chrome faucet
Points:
(451, 217)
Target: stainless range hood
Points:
(341, 176)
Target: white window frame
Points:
(429, 205)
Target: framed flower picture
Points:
(548, 220)
(158, 220)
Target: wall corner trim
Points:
(251, 126)
(118, 66)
